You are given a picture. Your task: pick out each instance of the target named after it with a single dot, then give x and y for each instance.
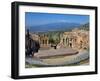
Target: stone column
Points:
(47, 42)
(67, 41)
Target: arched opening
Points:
(63, 41)
(70, 44)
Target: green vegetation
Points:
(54, 37)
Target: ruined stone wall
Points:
(76, 39)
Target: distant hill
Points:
(59, 26)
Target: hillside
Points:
(59, 26)
(85, 27)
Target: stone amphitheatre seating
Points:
(73, 59)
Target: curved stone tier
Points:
(55, 52)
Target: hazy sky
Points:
(34, 19)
